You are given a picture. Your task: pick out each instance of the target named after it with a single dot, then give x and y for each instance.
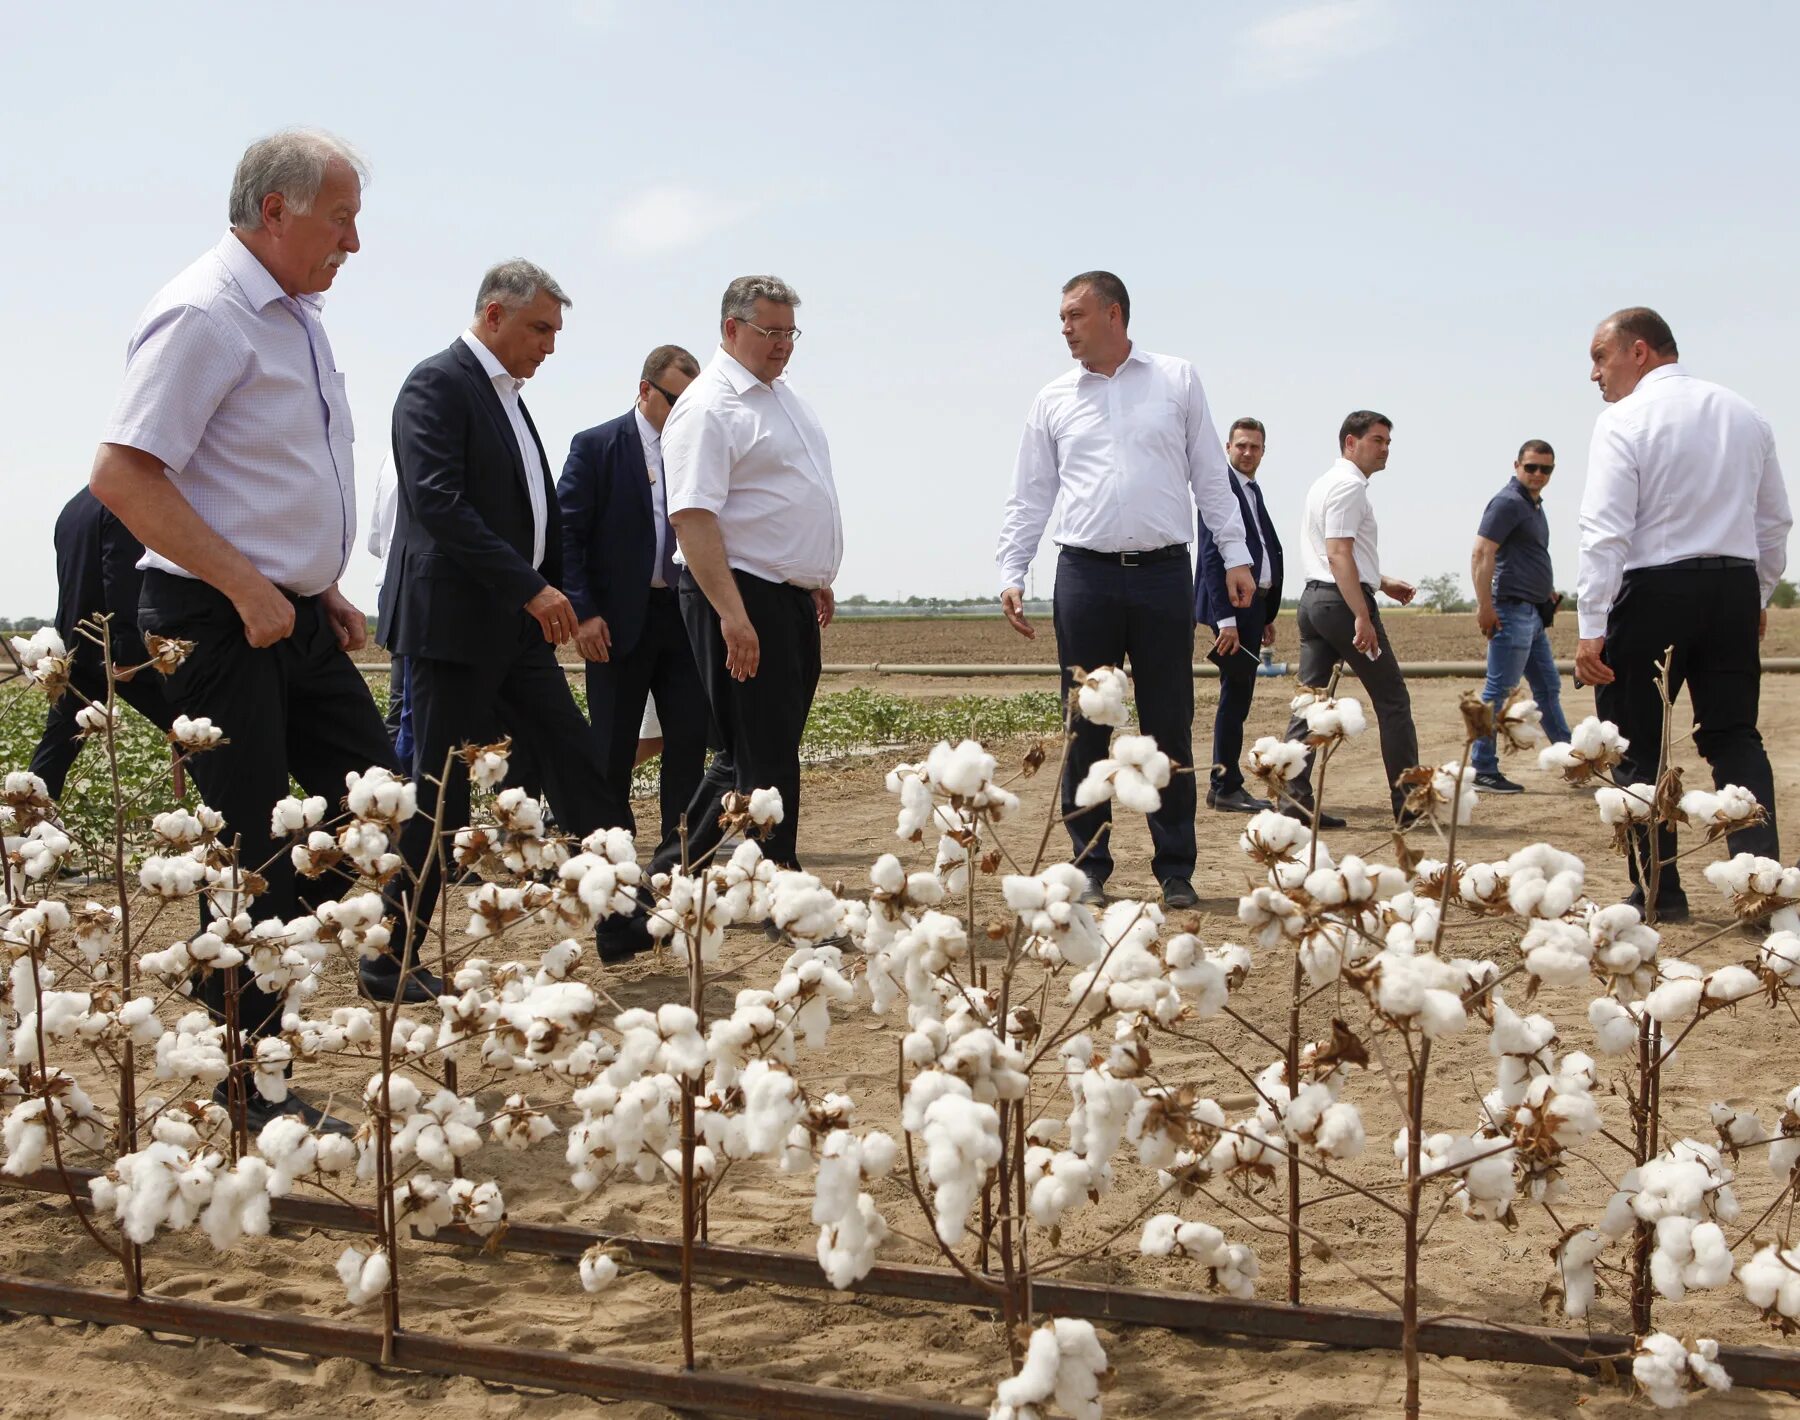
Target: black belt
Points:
(1315, 585)
(1696, 564)
(1129, 559)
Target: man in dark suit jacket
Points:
(96, 573)
(1241, 631)
(470, 595)
(620, 573)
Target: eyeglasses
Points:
(790, 335)
(670, 398)
(1543, 468)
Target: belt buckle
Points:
(1128, 559)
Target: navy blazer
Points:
(459, 571)
(609, 528)
(1210, 599)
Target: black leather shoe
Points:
(1094, 894)
(1235, 801)
(1303, 812)
(1179, 892)
(1669, 911)
(421, 989)
(620, 939)
(259, 1111)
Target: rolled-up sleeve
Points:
(1035, 481)
(1210, 477)
(698, 454)
(1608, 518)
(1774, 520)
(178, 369)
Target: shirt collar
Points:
(646, 430)
(490, 363)
(1343, 465)
(1661, 372)
(1526, 493)
(252, 277)
(735, 373)
(1133, 356)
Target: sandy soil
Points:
(58, 1369)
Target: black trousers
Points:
(1237, 688)
(61, 741)
(759, 720)
(299, 708)
(1708, 615)
(1105, 613)
(519, 691)
(1327, 636)
(661, 663)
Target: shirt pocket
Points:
(337, 401)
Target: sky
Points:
(1413, 207)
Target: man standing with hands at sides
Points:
(1684, 526)
(1126, 441)
(470, 593)
(228, 455)
(1515, 595)
(1338, 620)
(619, 571)
(1240, 634)
(755, 510)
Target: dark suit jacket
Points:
(96, 571)
(1210, 599)
(459, 571)
(609, 528)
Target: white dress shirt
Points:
(1131, 454)
(1678, 468)
(1265, 573)
(754, 455)
(659, 496)
(507, 387)
(1337, 505)
(384, 515)
(232, 385)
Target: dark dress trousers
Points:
(453, 603)
(609, 532)
(1237, 678)
(96, 572)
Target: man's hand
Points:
(268, 616)
(553, 612)
(1488, 619)
(743, 652)
(1012, 602)
(1240, 586)
(1365, 639)
(593, 638)
(1589, 668)
(1402, 592)
(1269, 634)
(349, 624)
(824, 605)
(1227, 642)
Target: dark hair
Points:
(1642, 323)
(1246, 423)
(1107, 287)
(1358, 422)
(1533, 446)
(664, 356)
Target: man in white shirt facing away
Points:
(228, 455)
(1684, 526)
(1338, 620)
(754, 507)
(1126, 441)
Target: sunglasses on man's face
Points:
(1544, 468)
(667, 397)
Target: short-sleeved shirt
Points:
(1337, 505)
(1515, 519)
(755, 456)
(231, 383)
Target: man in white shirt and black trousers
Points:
(1338, 621)
(754, 507)
(1684, 526)
(1126, 440)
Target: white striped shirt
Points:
(232, 384)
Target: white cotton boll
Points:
(1670, 1375)
(1678, 997)
(1779, 957)
(961, 771)
(239, 1204)
(1277, 759)
(1557, 953)
(195, 734)
(1628, 805)
(598, 1269)
(364, 1275)
(1731, 983)
(1771, 1281)
(1100, 698)
(765, 807)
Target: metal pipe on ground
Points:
(1204, 670)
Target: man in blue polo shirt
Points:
(1515, 596)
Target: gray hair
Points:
(516, 283)
(292, 163)
(742, 295)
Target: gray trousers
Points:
(1327, 635)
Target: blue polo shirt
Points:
(1515, 519)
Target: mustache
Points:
(337, 258)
